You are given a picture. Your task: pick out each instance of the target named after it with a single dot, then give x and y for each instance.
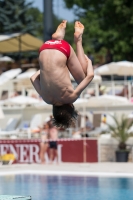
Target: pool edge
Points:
(66, 173)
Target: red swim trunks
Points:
(60, 45)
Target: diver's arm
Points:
(35, 80)
(84, 83)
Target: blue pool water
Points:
(42, 187)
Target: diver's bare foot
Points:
(79, 29)
(60, 32)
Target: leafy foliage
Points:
(120, 130)
(19, 16)
(37, 18)
(108, 24)
(14, 17)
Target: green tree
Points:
(14, 18)
(19, 16)
(37, 17)
(108, 24)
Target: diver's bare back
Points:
(56, 87)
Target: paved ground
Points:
(125, 169)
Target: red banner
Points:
(27, 151)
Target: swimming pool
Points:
(42, 187)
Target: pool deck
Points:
(83, 169)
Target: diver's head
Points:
(64, 115)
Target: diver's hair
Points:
(64, 116)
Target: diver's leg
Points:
(79, 29)
(60, 31)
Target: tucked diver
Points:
(56, 59)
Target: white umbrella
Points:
(107, 100)
(122, 68)
(21, 100)
(6, 59)
(23, 80)
(42, 105)
(19, 41)
(104, 100)
(80, 102)
(8, 75)
(108, 69)
(26, 75)
(97, 79)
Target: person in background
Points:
(123, 92)
(89, 126)
(44, 143)
(53, 136)
(102, 89)
(16, 93)
(90, 93)
(104, 119)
